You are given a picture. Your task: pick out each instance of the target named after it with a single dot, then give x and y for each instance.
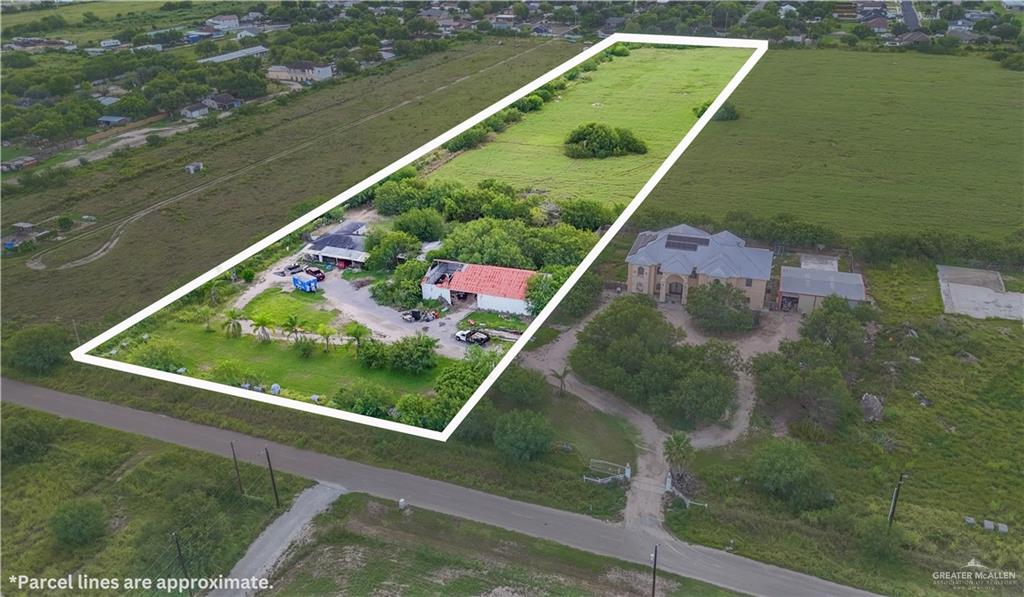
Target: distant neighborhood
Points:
(256, 53)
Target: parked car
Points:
(473, 337)
(316, 273)
(293, 268)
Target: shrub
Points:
(24, 440)
(164, 355)
(522, 435)
(787, 469)
(719, 307)
(467, 139)
(728, 111)
(594, 140)
(523, 387)
(38, 349)
(304, 346)
(479, 425)
(247, 274)
(414, 354)
(232, 372)
(586, 214)
(78, 522)
(154, 140)
(365, 398)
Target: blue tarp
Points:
(304, 282)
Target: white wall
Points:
(432, 292)
(502, 305)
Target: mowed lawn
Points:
(147, 490)
(863, 142)
(277, 305)
(652, 92)
(277, 362)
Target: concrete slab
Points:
(971, 277)
(828, 263)
(981, 303)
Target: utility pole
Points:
(654, 571)
(238, 474)
(896, 497)
(181, 560)
(273, 482)
(74, 324)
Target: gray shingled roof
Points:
(721, 255)
(816, 282)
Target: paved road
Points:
(910, 16)
(274, 541)
(575, 530)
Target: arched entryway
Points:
(673, 289)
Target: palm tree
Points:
(261, 325)
(326, 332)
(232, 325)
(213, 291)
(561, 377)
(678, 450)
(292, 326)
(357, 332)
(206, 314)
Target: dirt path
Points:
(134, 138)
(117, 227)
(266, 551)
(644, 500)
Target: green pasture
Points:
(652, 92)
(863, 142)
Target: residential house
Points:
(255, 51)
(247, 32)
(804, 289)
(302, 71)
(108, 121)
(877, 24)
(786, 10)
(107, 100)
(492, 288)
(222, 101)
(913, 38)
(343, 246)
(844, 11)
(194, 111)
(1013, 5)
(223, 22)
(19, 163)
(148, 48)
(666, 264)
(110, 43)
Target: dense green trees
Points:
(630, 349)
(839, 326)
(522, 388)
(401, 289)
(23, 440)
(805, 373)
(512, 243)
(594, 140)
(719, 308)
(587, 214)
(412, 354)
(424, 223)
(387, 249)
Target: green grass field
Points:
(363, 544)
(863, 141)
(962, 455)
(652, 92)
(277, 362)
(148, 489)
(278, 305)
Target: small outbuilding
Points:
(804, 289)
(108, 121)
(304, 282)
(344, 246)
(194, 167)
